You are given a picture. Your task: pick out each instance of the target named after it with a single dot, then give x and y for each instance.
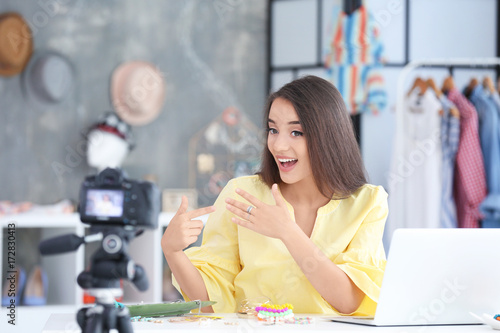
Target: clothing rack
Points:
(399, 146)
(450, 63)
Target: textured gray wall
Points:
(211, 52)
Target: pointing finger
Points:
(200, 211)
(184, 205)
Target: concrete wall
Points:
(212, 55)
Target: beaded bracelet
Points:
(275, 313)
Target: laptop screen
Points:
(439, 276)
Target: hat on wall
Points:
(112, 123)
(137, 92)
(16, 44)
(48, 78)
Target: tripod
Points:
(109, 264)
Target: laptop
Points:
(438, 277)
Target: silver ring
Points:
(249, 209)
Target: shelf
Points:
(35, 220)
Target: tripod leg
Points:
(123, 323)
(90, 319)
(80, 317)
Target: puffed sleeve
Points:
(218, 257)
(364, 259)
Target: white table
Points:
(59, 323)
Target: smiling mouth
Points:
(287, 162)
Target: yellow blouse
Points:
(237, 263)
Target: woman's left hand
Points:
(268, 220)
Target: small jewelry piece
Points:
(146, 319)
(304, 320)
(275, 314)
(249, 209)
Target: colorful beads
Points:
(271, 313)
(304, 320)
(274, 308)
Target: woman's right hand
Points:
(182, 230)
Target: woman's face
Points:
(287, 143)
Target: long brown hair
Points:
(333, 151)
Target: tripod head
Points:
(110, 263)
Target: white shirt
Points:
(415, 177)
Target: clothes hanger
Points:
(472, 84)
(349, 6)
(431, 84)
(488, 84)
(448, 84)
(420, 84)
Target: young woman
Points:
(307, 230)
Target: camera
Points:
(109, 198)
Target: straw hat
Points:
(16, 44)
(48, 78)
(137, 92)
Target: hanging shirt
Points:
(415, 185)
(489, 136)
(469, 188)
(450, 137)
(237, 263)
(488, 108)
(353, 60)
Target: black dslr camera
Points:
(111, 199)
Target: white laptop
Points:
(438, 277)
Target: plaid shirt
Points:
(470, 178)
